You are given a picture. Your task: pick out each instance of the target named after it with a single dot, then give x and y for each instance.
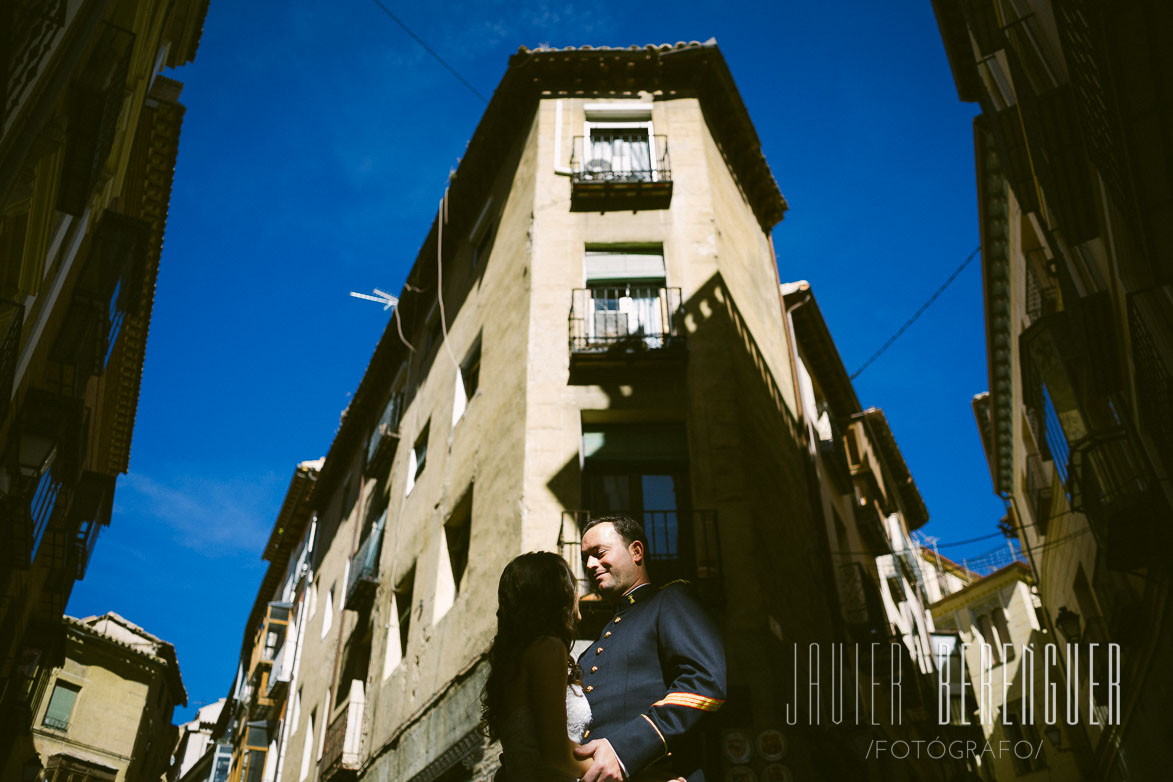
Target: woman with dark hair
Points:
(533, 701)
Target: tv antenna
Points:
(382, 297)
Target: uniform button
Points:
(589, 688)
(607, 634)
(586, 734)
(599, 650)
(617, 619)
(594, 668)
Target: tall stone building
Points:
(106, 713)
(593, 324)
(1075, 206)
(89, 131)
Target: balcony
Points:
(280, 674)
(625, 324)
(1042, 291)
(31, 27)
(268, 642)
(341, 756)
(861, 605)
(682, 544)
(11, 317)
(95, 102)
(871, 529)
(363, 578)
(1127, 509)
(622, 170)
(385, 433)
(1039, 480)
(831, 449)
(109, 290)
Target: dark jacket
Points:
(656, 671)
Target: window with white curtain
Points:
(619, 142)
(626, 287)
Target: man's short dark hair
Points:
(628, 528)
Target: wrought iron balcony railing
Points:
(1042, 292)
(363, 577)
(626, 319)
(861, 604)
(385, 431)
(31, 26)
(11, 317)
(42, 504)
(341, 751)
(1111, 483)
(1038, 490)
(95, 104)
(681, 544)
(56, 723)
(628, 157)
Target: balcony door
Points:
(626, 288)
(643, 471)
(620, 151)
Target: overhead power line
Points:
(919, 312)
(430, 51)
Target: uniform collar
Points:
(635, 596)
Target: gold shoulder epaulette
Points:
(684, 581)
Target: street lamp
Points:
(1068, 623)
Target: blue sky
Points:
(316, 147)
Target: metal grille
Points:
(30, 26)
(861, 604)
(1154, 397)
(1041, 290)
(620, 156)
(1056, 438)
(635, 317)
(11, 316)
(1087, 76)
(1038, 491)
(681, 544)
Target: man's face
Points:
(613, 565)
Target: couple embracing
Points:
(635, 696)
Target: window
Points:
(387, 427)
(61, 705)
(995, 632)
(295, 711)
(626, 293)
(328, 615)
(308, 748)
(455, 539)
(467, 380)
(484, 245)
(896, 587)
(325, 722)
(419, 455)
(403, 604)
(256, 749)
(619, 145)
(642, 470)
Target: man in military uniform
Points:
(656, 671)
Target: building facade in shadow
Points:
(89, 132)
(1075, 204)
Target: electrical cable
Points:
(919, 312)
(441, 218)
(430, 51)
